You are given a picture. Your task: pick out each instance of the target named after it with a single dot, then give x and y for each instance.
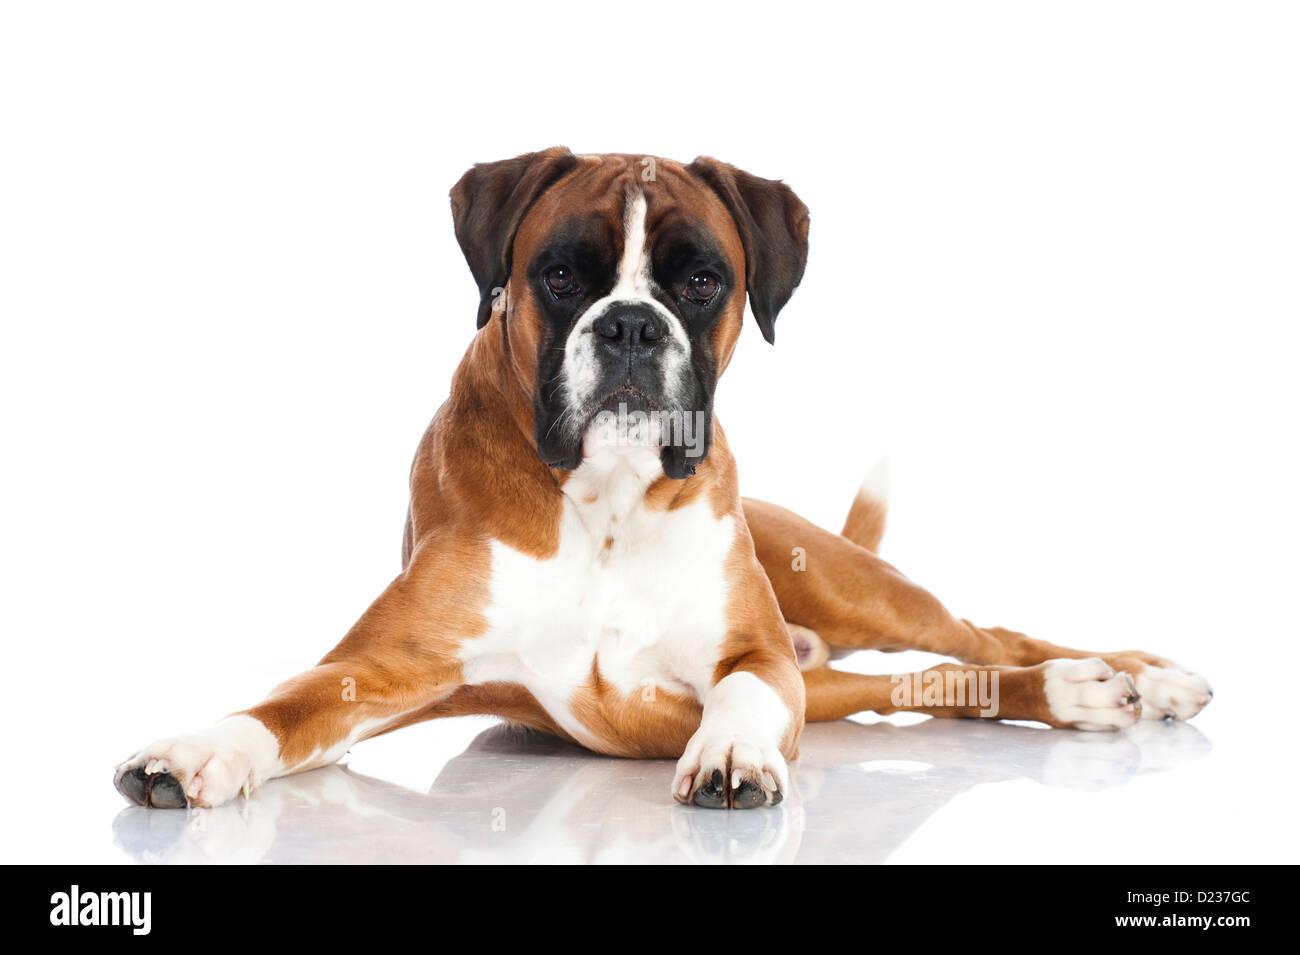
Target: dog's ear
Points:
(487, 206)
(773, 225)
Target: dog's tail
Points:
(865, 525)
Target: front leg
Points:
(753, 714)
(391, 669)
(735, 759)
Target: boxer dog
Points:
(577, 558)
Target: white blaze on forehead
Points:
(632, 283)
(634, 267)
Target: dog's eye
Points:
(560, 281)
(701, 287)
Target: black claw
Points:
(711, 795)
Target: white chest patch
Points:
(638, 594)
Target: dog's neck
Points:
(608, 491)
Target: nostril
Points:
(631, 328)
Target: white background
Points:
(1053, 279)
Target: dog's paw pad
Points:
(751, 794)
(729, 775)
(158, 790)
(712, 792)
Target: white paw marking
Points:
(214, 765)
(1168, 692)
(723, 771)
(1089, 695)
(734, 759)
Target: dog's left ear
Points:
(773, 225)
(487, 206)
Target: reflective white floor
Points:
(898, 789)
(862, 793)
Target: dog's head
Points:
(621, 281)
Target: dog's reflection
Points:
(858, 793)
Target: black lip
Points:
(621, 394)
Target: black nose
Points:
(631, 326)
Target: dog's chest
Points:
(633, 596)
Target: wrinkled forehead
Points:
(594, 205)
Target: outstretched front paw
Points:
(727, 773)
(202, 769)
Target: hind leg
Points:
(1079, 694)
(852, 599)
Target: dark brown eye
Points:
(701, 287)
(560, 280)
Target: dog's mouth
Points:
(629, 396)
(628, 419)
(624, 419)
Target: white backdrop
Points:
(1053, 278)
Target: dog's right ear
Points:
(487, 206)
